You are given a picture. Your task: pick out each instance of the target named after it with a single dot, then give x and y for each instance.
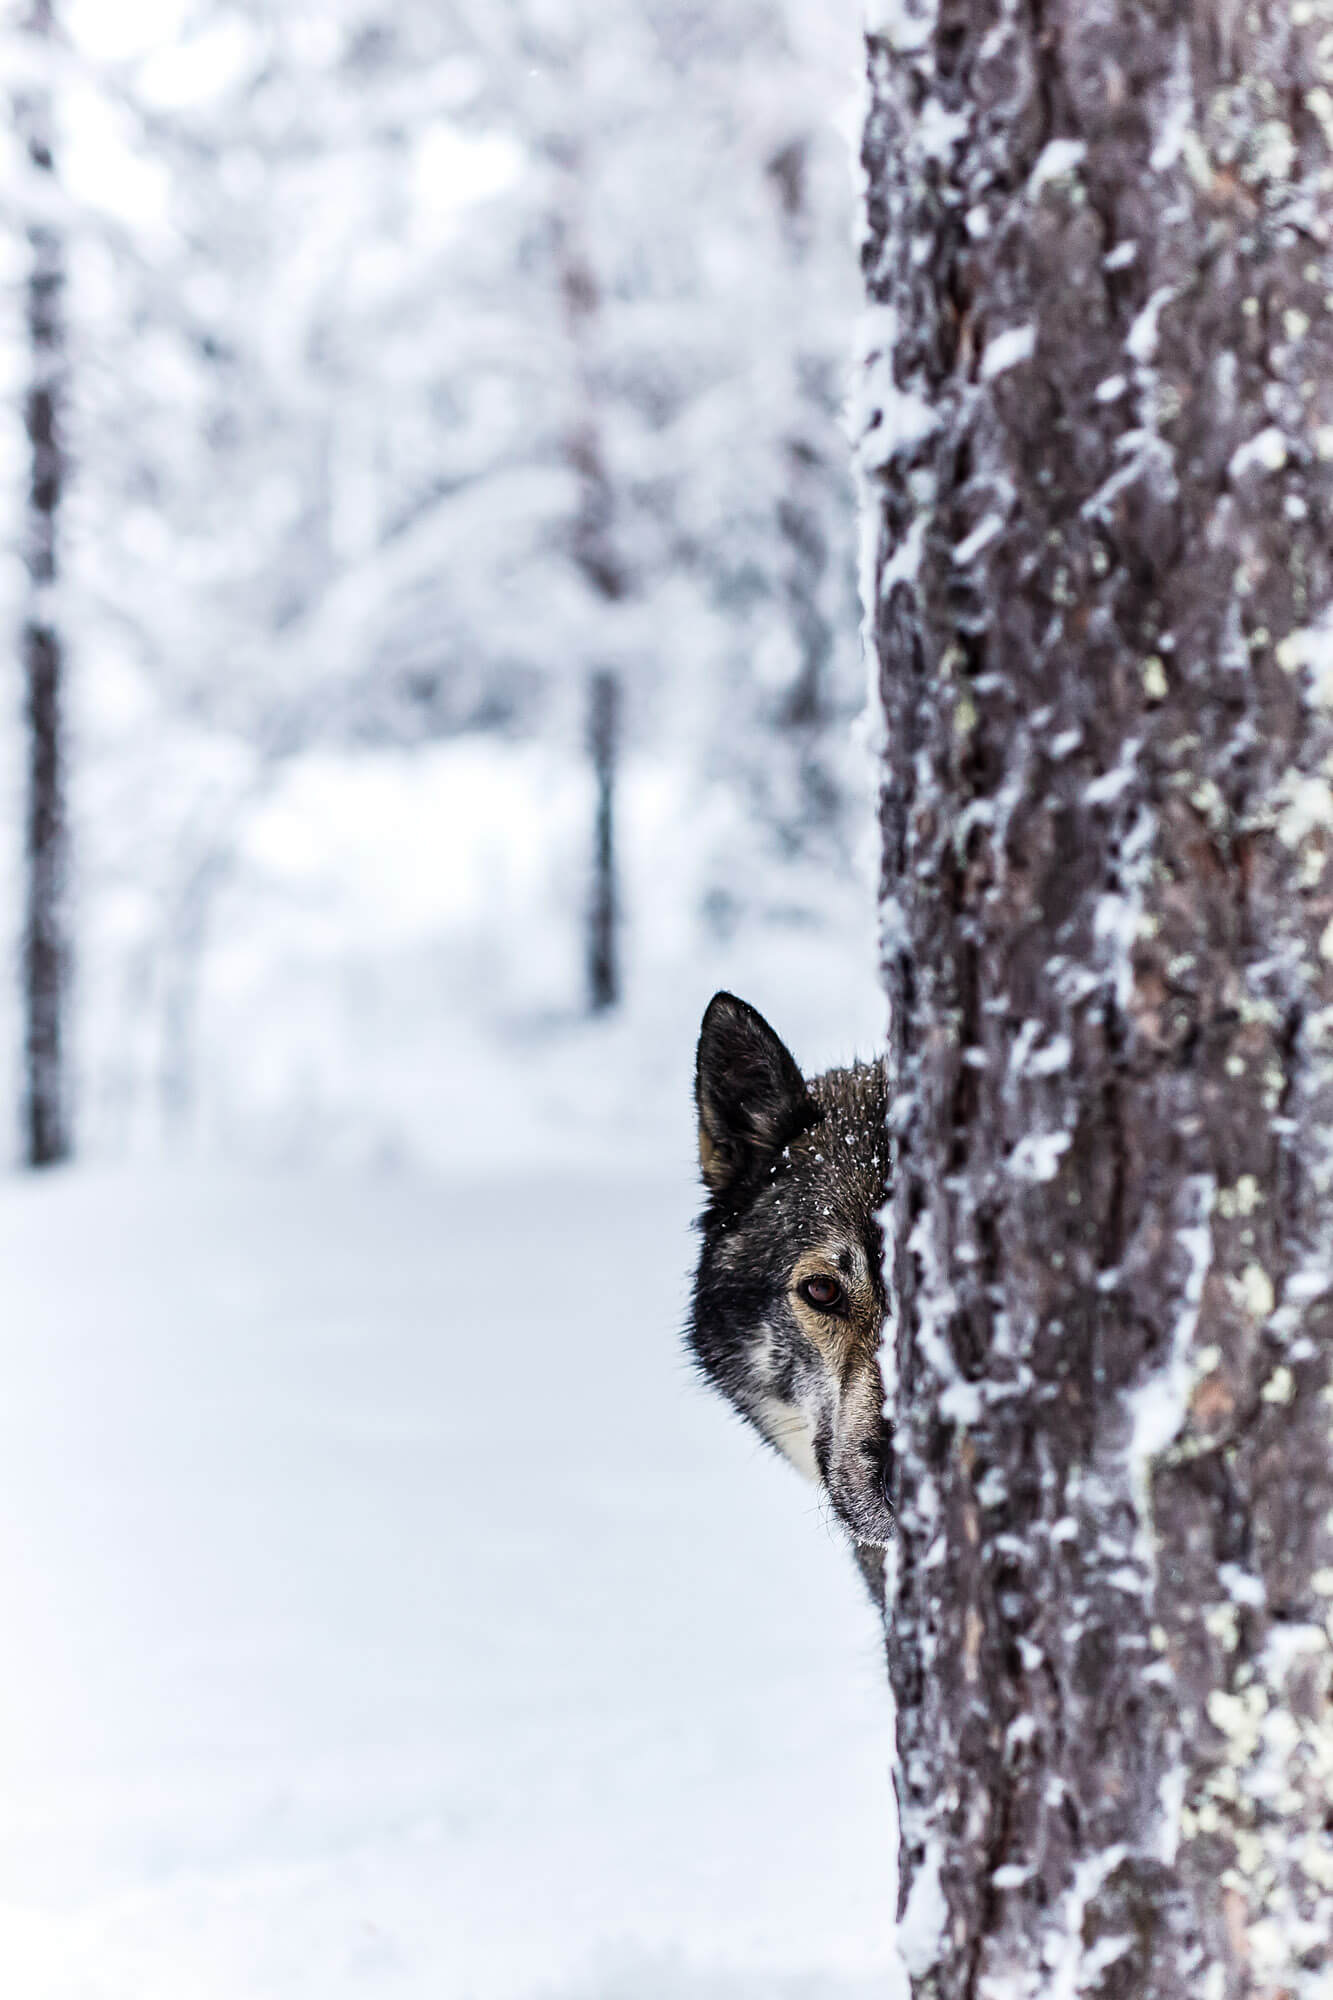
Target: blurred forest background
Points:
(456, 561)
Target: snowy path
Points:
(387, 1613)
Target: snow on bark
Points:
(1095, 436)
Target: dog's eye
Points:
(822, 1292)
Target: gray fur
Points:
(796, 1173)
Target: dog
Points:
(789, 1301)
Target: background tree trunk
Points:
(603, 572)
(808, 488)
(603, 739)
(44, 957)
(1097, 446)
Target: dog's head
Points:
(788, 1297)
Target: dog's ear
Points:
(751, 1096)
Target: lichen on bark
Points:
(1096, 442)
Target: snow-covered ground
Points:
(386, 1611)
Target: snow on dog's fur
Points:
(788, 1296)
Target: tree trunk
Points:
(602, 569)
(1097, 450)
(603, 736)
(809, 804)
(44, 956)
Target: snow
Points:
(1267, 451)
(1050, 1061)
(980, 538)
(1068, 1955)
(925, 1916)
(1117, 917)
(322, 593)
(1141, 340)
(1106, 789)
(1037, 1156)
(1170, 1804)
(1056, 159)
(1016, 344)
(394, 971)
(937, 1301)
(1176, 118)
(390, 1613)
(1157, 1407)
(1241, 1586)
(1310, 648)
(906, 25)
(887, 421)
(939, 131)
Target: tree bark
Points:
(1096, 442)
(44, 952)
